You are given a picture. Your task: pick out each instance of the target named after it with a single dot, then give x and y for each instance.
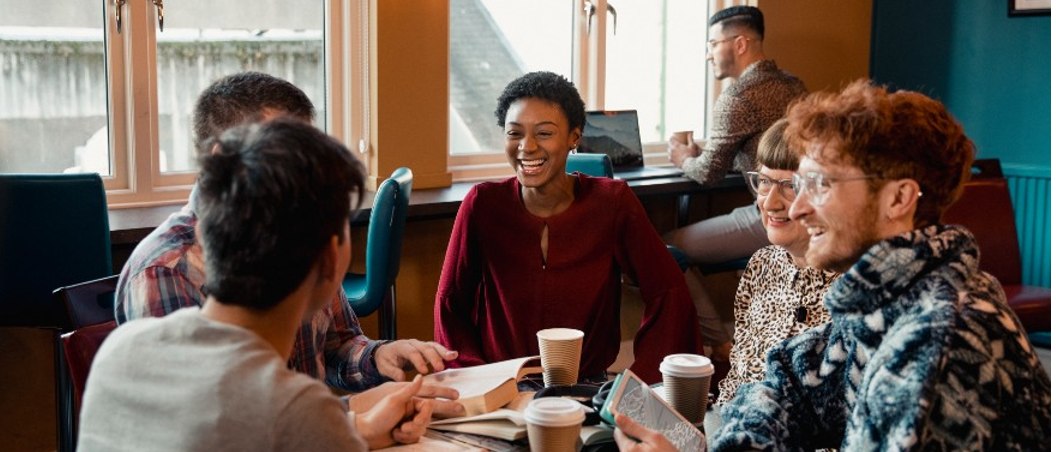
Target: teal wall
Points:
(994, 74)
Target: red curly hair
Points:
(899, 135)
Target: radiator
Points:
(1031, 190)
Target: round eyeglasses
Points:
(816, 186)
(761, 185)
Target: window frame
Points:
(136, 179)
(589, 54)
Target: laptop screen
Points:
(613, 132)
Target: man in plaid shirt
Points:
(166, 270)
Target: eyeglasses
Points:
(762, 185)
(713, 43)
(816, 185)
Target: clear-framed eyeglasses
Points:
(713, 43)
(816, 186)
(761, 185)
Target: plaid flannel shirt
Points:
(166, 272)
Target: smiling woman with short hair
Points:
(546, 249)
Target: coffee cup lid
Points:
(559, 334)
(686, 365)
(554, 412)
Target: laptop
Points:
(616, 133)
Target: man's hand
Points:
(647, 440)
(396, 357)
(678, 151)
(397, 417)
(450, 407)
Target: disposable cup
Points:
(685, 137)
(560, 350)
(554, 424)
(687, 378)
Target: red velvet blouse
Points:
(496, 291)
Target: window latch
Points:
(588, 9)
(160, 5)
(118, 4)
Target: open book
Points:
(486, 388)
(508, 424)
(502, 423)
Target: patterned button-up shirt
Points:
(743, 111)
(166, 272)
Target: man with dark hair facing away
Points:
(273, 206)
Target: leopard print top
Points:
(770, 291)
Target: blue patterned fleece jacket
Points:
(923, 353)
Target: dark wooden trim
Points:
(129, 226)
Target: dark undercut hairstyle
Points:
(547, 86)
(748, 17)
(245, 97)
(270, 198)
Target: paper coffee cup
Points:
(554, 424)
(560, 350)
(687, 378)
(685, 136)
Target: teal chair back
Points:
(54, 232)
(376, 289)
(597, 165)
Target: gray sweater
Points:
(184, 382)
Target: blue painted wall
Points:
(994, 74)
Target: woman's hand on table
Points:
(647, 440)
(398, 417)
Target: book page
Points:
(478, 380)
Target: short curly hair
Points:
(546, 86)
(899, 135)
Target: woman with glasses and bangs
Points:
(779, 296)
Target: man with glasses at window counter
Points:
(756, 99)
(923, 352)
(166, 271)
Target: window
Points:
(53, 77)
(134, 127)
(643, 54)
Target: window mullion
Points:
(119, 184)
(589, 51)
(141, 120)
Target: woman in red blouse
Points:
(546, 249)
